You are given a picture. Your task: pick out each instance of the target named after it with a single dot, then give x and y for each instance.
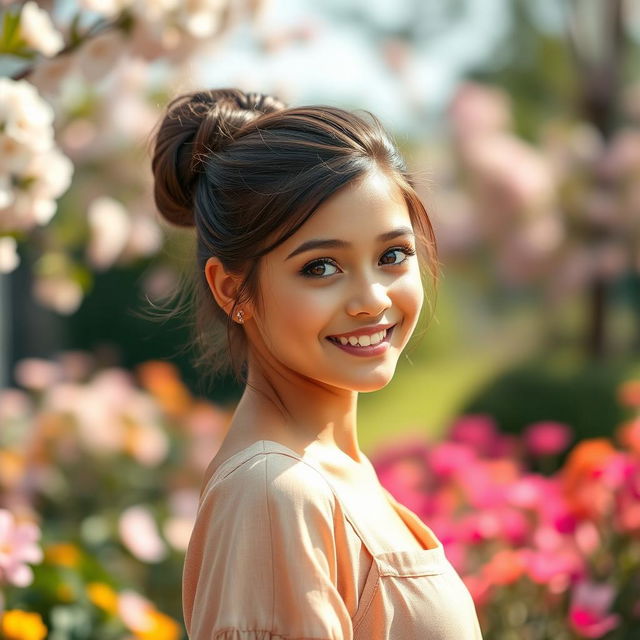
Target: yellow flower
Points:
(12, 468)
(64, 554)
(161, 627)
(22, 625)
(103, 596)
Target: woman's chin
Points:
(370, 383)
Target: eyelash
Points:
(406, 249)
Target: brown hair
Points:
(247, 171)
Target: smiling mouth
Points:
(373, 340)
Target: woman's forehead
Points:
(369, 207)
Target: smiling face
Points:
(349, 271)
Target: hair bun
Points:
(195, 125)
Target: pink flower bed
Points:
(558, 554)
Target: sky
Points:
(342, 64)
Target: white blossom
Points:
(107, 8)
(14, 157)
(9, 258)
(24, 115)
(154, 10)
(58, 293)
(33, 172)
(146, 237)
(6, 189)
(51, 172)
(38, 31)
(110, 225)
(201, 18)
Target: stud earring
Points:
(240, 316)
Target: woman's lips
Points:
(371, 350)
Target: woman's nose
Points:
(370, 297)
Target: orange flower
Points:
(588, 456)
(628, 435)
(162, 379)
(588, 497)
(629, 394)
(12, 468)
(502, 471)
(505, 567)
(103, 596)
(63, 554)
(22, 625)
(160, 627)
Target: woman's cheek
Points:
(308, 312)
(409, 298)
(296, 311)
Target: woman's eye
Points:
(317, 268)
(406, 251)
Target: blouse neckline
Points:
(425, 536)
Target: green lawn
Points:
(450, 366)
(425, 397)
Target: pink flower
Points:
(481, 525)
(506, 445)
(446, 530)
(36, 374)
(486, 486)
(478, 431)
(139, 534)
(545, 566)
(547, 438)
(134, 609)
(514, 525)
(617, 471)
(528, 491)
(478, 109)
(448, 459)
(589, 610)
(555, 510)
(587, 537)
(17, 547)
(627, 515)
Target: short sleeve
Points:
(262, 559)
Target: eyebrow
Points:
(334, 243)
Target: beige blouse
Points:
(285, 547)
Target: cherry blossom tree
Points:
(560, 210)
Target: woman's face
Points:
(349, 271)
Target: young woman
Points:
(311, 247)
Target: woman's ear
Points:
(223, 285)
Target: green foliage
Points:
(11, 43)
(579, 393)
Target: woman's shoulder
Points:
(266, 470)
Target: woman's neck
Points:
(296, 410)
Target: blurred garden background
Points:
(512, 427)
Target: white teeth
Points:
(363, 341)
